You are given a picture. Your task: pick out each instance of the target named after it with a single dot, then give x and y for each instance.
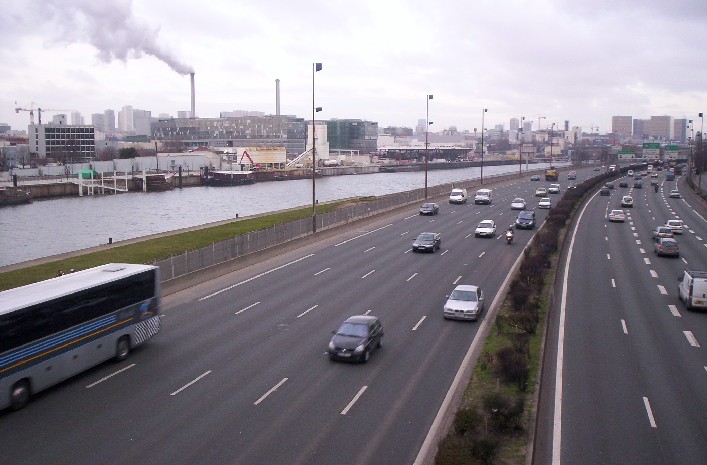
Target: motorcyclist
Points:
(509, 234)
(656, 187)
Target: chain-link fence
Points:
(219, 252)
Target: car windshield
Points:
(526, 215)
(517, 200)
(426, 237)
(617, 212)
(427, 205)
(485, 224)
(353, 330)
(469, 296)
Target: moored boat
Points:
(14, 196)
(227, 177)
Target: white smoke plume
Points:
(111, 27)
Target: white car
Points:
(617, 215)
(627, 201)
(465, 302)
(518, 204)
(487, 228)
(674, 194)
(675, 226)
(545, 202)
(553, 189)
(540, 192)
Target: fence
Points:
(239, 246)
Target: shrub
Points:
(525, 321)
(485, 449)
(454, 450)
(504, 412)
(466, 421)
(520, 294)
(512, 367)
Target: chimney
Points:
(193, 97)
(277, 97)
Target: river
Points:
(49, 227)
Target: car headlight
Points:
(360, 349)
(331, 345)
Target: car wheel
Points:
(366, 356)
(122, 349)
(19, 395)
(380, 343)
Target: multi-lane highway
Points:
(630, 385)
(239, 372)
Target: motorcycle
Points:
(509, 237)
(656, 187)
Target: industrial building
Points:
(62, 142)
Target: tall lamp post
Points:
(483, 113)
(520, 147)
(550, 138)
(689, 142)
(315, 67)
(702, 153)
(427, 130)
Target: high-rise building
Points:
(98, 121)
(515, 124)
(109, 121)
(420, 128)
(76, 118)
(141, 122)
(125, 120)
(661, 127)
(352, 134)
(621, 125)
(680, 130)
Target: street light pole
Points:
(550, 138)
(702, 153)
(427, 130)
(520, 147)
(482, 144)
(315, 67)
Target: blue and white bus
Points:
(55, 329)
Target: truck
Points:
(551, 174)
(693, 289)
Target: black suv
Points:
(526, 220)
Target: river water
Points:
(50, 227)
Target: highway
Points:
(632, 384)
(239, 372)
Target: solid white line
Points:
(649, 412)
(608, 256)
(647, 261)
(613, 283)
(482, 254)
(109, 376)
(457, 280)
(444, 252)
(623, 325)
(368, 250)
(413, 275)
(683, 259)
(674, 310)
(353, 401)
(653, 273)
(307, 311)
(368, 274)
(662, 290)
(691, 338)
(244, 309)
(404, 233)
(273, 389)
(255, 277)
(320, 272)
(364, 234)
(414, 328)
(189, 383)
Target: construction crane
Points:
(30, 110)
(40, 110)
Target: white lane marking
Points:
(109, 376)
(638, 242)
(369, 249)
(683, 259)
(408, 250)
(633, 228)
(635, 234)
(353, 401)
(404, 233)
(654, 274)
(674, 310)
(190, 383)
(323, 271)
(256, 277)
(691, 231)
(613, 283)
(413, 275)
(482, 254)
(368, 274)
(698, 238)
(414, 328)
(608, 256)
(623, 325)
(468, 235)
(460, 222)
(368, 311)
(273, 389)
(444, 252)
(691, 338)
(307, 311)
(244, 309)
(662, 290)
(362, 235)
(606, 238)
(457, 280)
(647, 261)
(411, 216)
(649, 412)
(642, 250)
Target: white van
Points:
(693, 289)
(483, 196)
(458, 196)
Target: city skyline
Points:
(379, 60)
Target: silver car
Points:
(466, 302)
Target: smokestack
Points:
(277, 97)
(193, 97)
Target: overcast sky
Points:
(577, 60)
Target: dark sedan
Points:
(526, 220)
(623, 184)
(638, 185)
(356, 338)
(427, 242)
(429, 209)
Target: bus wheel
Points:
(122, 349)
(19, 396)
